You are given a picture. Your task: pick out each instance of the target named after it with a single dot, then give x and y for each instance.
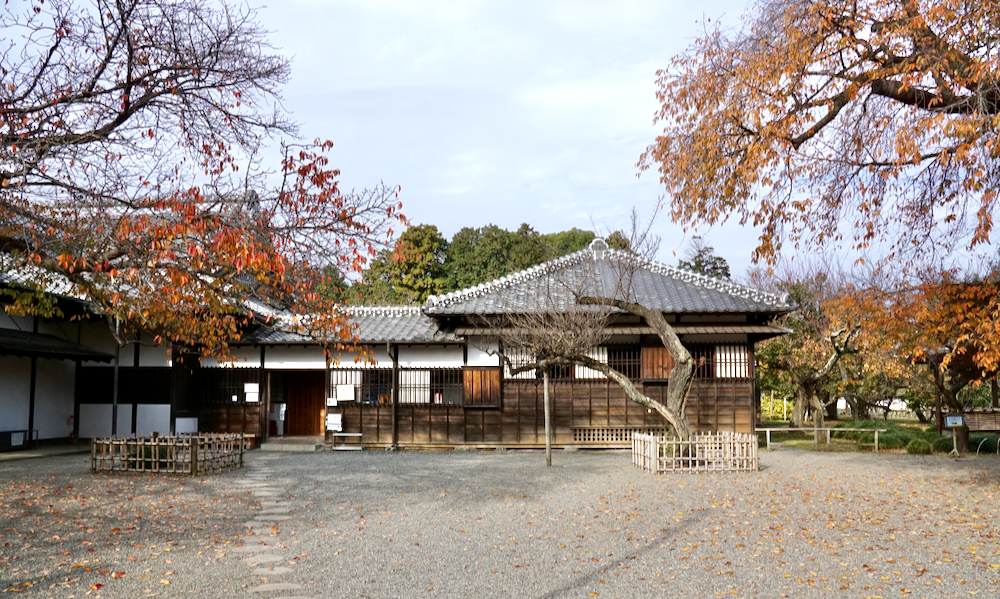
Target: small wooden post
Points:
(548, 421)
(194, 455)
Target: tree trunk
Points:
(547, 402)
(679, 379)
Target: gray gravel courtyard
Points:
(500, 524)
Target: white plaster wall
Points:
(54, 389)
(431, 356)
(95, 420)
(379, 359)
(15, 376)
(741, 338)
(240, 357)
(294, 358)
(479, 357)
(21, 323)
(151, 418)
(95, 334)
(151, 354)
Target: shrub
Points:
(918, 446)
(983, 443)
(943, 444)
(889, 440)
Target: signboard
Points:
(954, 421)
(253, 392)
(345, 392)
(334, 422)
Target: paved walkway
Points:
(44, 451)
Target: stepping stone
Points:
(254, 548)
(270, 571)
(264, 559)
(273, 518)
(277, 586)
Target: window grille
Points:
(721, 361)
(731, 362)
(518, 357)
(446, 386)
(626, 360)
(599, 354)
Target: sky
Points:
(496, 112)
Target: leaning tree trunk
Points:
(679, 380)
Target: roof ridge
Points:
(714, 283)
(701, 280)
(383, 310)
(508, 280)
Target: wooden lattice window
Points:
(481, 387)
(626, 360)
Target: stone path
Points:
(264, 550)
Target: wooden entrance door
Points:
(304, 403)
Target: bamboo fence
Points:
(202, 453)
(709, 452)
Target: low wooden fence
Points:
(818, 432)
(184, 454)
(710, 452)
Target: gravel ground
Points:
(376, 524)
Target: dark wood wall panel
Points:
(712, 406)
(304, 402)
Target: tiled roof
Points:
(25, 343)
(33, 277)
(379, 324)
(680, 329)
(599, 271)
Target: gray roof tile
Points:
(599, 272)
(377, 324)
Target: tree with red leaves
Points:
(124, 127)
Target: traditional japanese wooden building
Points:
(433, 376)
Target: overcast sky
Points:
(496, 112)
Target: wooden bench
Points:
(344, 446)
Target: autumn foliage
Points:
(131, 176)
(872, 122)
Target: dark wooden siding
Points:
(304, 403)
(585, 412)
(217, 412)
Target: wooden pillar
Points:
(326, 394)
(395, 396)
(135, 378)
(547, 408)
(114, 391)
(31, 389)
(938, 418)
(265, 398)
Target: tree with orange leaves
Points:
(124, 126)
(945, 323)
(874, 120)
